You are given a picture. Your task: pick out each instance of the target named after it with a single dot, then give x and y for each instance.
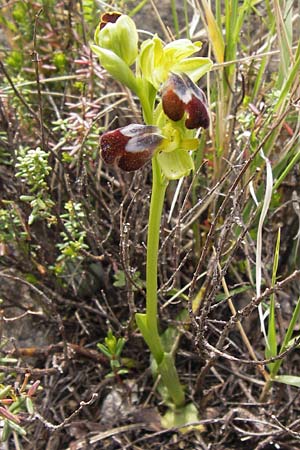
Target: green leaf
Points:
(287, 338)
(122, 371)
(181, 417)
(29, 405)
(5, 431)
(20, 430)
(271, 347)
(14, 426)
(104, 350)
(232, 293)
(120, 279)
(151, 338)
(170, 379)
(291, 380)
(214, 32)
(27, 198)
(120, 346)
(111, 342)
(5, 391)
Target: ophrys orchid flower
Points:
(163, 78)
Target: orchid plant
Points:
(163, 77)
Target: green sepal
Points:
(176, 164)
(195, 68)
(156, 61)
(118, 69)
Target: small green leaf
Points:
(111, 342)
(120, 346)
(120, 279)
(29, 405)
(5, 391)
(291, 380)
(122, 372)
(5, 431)
(20, 430)
(104, 350)
(26, 198)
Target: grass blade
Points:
(265, 207)
(271, 347)
(214, 32)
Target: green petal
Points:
(176, 164)
(151, 61)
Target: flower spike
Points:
(180, 95)
(130, 147)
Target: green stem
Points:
(148, 323)
(156, 207)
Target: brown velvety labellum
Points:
(197, 114)
(180, 95)
(109, 17)
(173, 107)
(112, 145)
(130, 147)
(134, 161)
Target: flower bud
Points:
(117, 33)
(130, 147)
(180, 95)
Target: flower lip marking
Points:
(130, 147)
(180, 95)
(109, 17)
